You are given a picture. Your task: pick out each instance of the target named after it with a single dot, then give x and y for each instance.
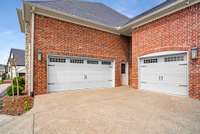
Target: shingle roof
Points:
(160, 6)
(19, 55)
(88, 10)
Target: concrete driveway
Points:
(108, 111)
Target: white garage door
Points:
(167, 74)
(79, 73)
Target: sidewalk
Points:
(3, 88)
(4, 119)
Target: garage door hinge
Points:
(143, 66)
(143, 82)
(109, 80)
(51, 65)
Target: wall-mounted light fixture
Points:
(194, 53)
(39, 55)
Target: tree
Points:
(13, 65)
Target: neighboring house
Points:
(19, 56)
(2, 71)
(73, 44)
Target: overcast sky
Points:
(11, 37)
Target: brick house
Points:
(77, 44)
(20, 70)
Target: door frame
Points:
(127, 72)
(165, 53)
(65, 56)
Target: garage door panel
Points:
(79, 74)
(166, 74)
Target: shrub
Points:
(9, 90)
(1, 81)
(21, 84)
(27, 105)
(21, 81)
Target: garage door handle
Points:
(183, 64)
(51, 83)
(85, 77)
(161, 78)
(183, 85)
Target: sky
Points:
(11, 36)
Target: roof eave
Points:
(123, 30)
(20, 19)
(170, 9)
(48, 12)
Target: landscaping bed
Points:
(16, 105)
(15, 100)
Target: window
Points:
(77, 61)
(106, 62)
(92, 62)
(123, 68)
(61, 60)
(147, 61)
(174, 58)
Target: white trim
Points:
(163, 54)
(114, 73)
(160, 10)
(125, 29)
(144, 17)
(81, 57)
(127, 64)
(32, 44)
(138, 71)
(188, 72)
(47, 64)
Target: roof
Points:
(97, 15)
(94, 11)
(156, 8)
(19, 55)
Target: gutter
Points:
(170, 9)
(151, 14)
(155, 15)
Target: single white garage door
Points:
(79, 73)
(167, 74)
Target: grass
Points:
(1, 82)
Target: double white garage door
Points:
(79, 73)
(167, 74)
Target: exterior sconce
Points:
(39, 55)
(194, 52)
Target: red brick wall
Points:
(62, 38)
(179, 32)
